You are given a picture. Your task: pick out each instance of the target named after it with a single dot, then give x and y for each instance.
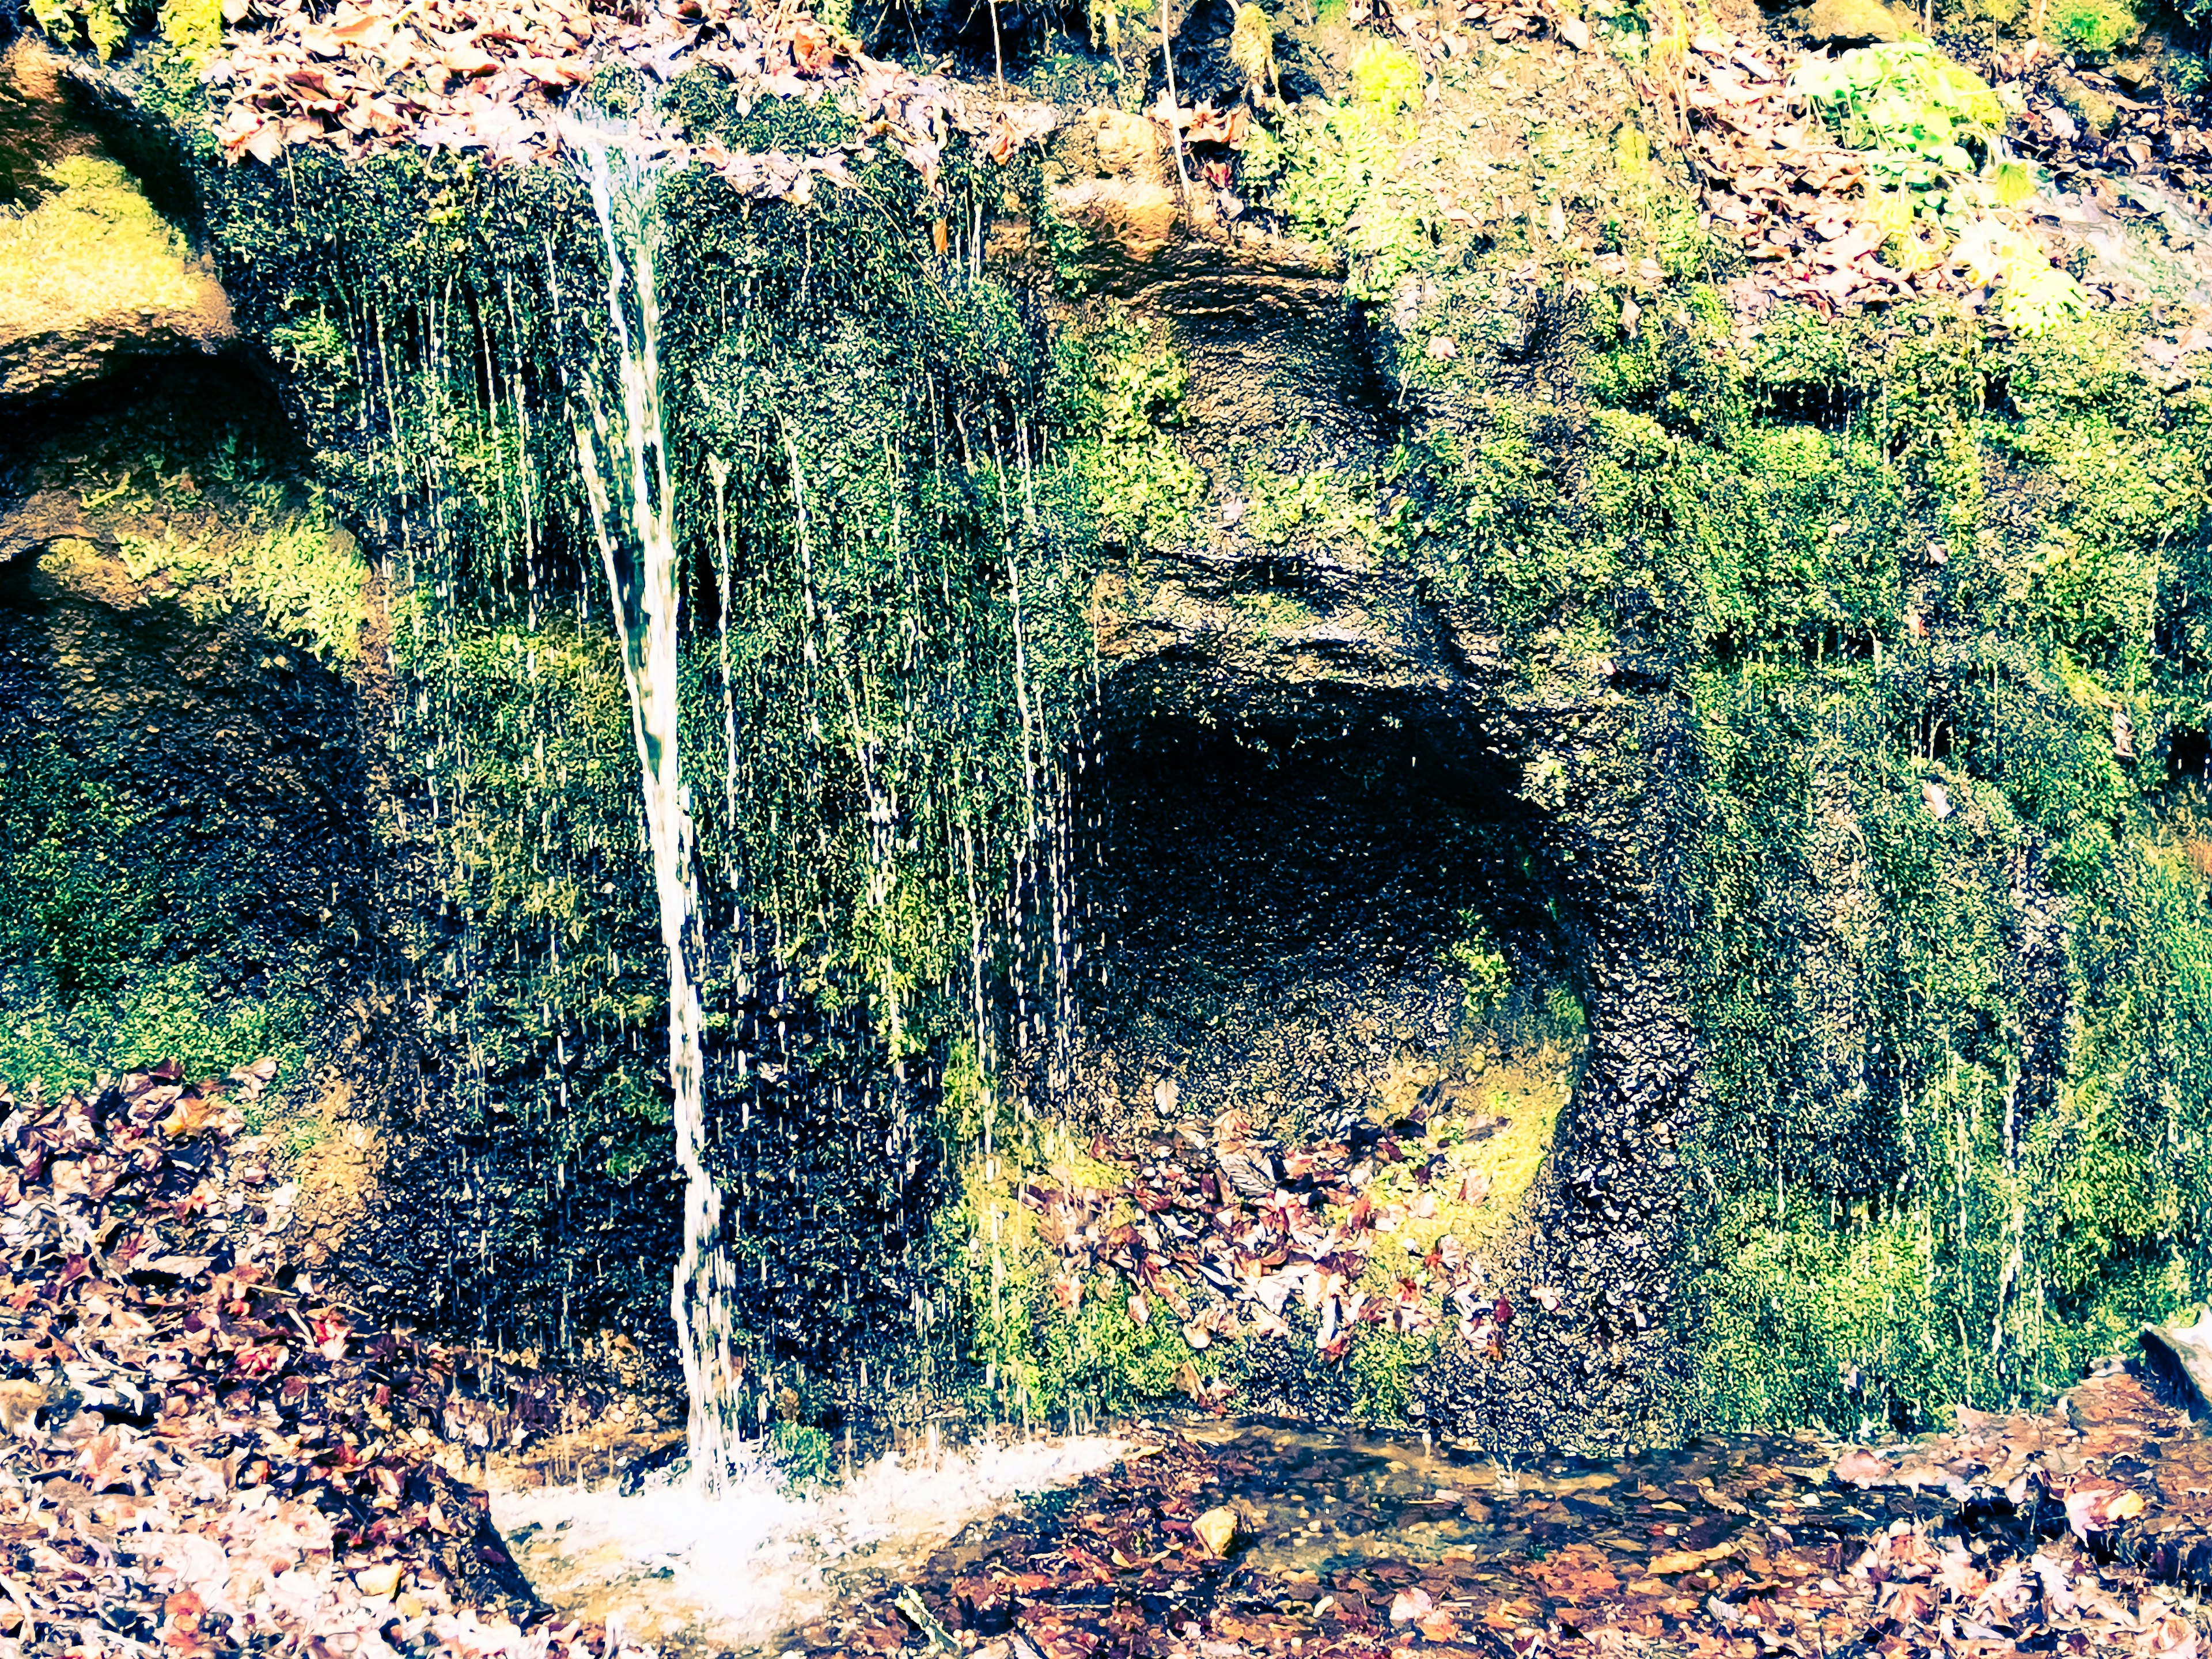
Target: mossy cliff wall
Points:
(1802, 719)
(884, 499)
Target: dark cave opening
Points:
(1304, 930)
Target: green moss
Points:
(1385, 79)
(1134, 382)
(120, 929)
(1876, 564)
(1384, 1366)
(875, 711)
(193, 27)
(304, 579)
(1321, 504)
(708, 106)
(2093, 28)
(1337, 172)
(1873, 558)
(805, 1457)
(103, 24)
(112, 935)
(67, 1036)
(76, 902)
(1033, 1358)
(92, 247)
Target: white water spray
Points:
(623, 457)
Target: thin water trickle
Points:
(623, 457)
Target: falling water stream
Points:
(623, 454)
(720, 1550)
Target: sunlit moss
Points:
(92, 248)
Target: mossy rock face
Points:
(1385, 622)
(92, 278)
(188, 874)
(2094, 109)
(1854, 22)
(2094, 29)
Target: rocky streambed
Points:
(208, 1452)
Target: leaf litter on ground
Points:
(205, 1453)
(1224, 1231)
(364, 79)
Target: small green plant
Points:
(2093, 29)
(311, 344)
(194, 28)
(1385, 79)
(1335, 172)
(105, 23)
(2011, 183)
(1148, 488)
(1252, 49)
(1486, 975)
(804, 1457)
(1914, 111)
(2034, 296)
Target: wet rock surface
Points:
(1575, 777)
(174, 623)
(2074, 1532)
(1279, 929)
(1292, 642)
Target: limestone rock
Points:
(2183, 1354)
(1127, 143)
(1216, 1531)
(1140, 215)
(2093, 109)
(1854, 22)
(92, 275)
(20, 1403)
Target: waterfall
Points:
(623, 456)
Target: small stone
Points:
(1409, 1605)
(1216, 1531)
(379, 1580)
(19, 1405)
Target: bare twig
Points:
(1174, 105)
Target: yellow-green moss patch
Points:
(94, 248)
